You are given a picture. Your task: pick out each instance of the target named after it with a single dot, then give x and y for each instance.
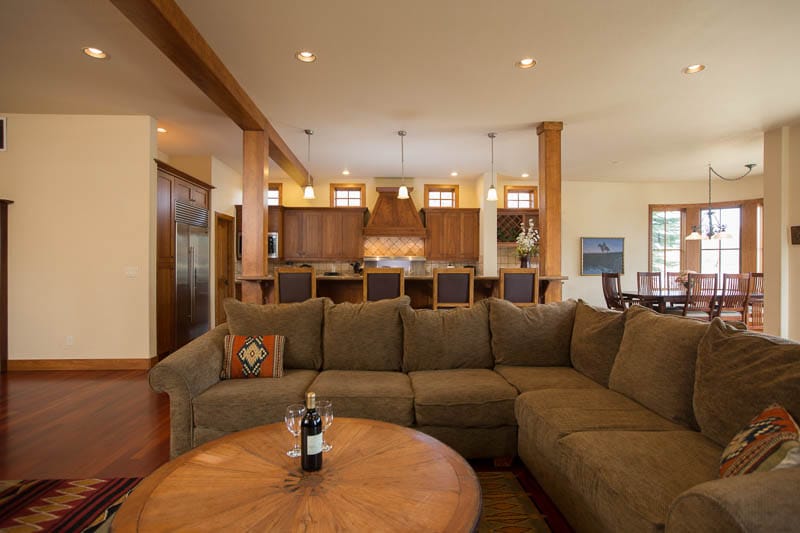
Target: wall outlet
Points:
(131, 272)
(70, 340)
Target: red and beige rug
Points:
(61, 505)
(89, 504)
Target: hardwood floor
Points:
(75, 424)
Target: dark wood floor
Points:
(67, 425)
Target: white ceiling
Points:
(442, 70)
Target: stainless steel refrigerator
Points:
(192, 298)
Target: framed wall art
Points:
(602, 255)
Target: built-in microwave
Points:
(272, 244)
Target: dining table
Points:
(659, 299)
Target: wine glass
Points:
(325, 410)
(293, 419)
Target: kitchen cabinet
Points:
(172, 187)
(509, 220)
(322, 234)
(452, 234)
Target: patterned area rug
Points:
(89, 504)
(61, 505)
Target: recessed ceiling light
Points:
(694, 69)
(306, 56)
(454, 173)
(526, 62)
(161, 130)
(95, 53)
(345, 172)
(525, 174)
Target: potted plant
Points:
(527, 243)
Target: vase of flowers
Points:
(527, 243)
(683, 278)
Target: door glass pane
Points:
(729, 260)
(673, 261)
(709, 261)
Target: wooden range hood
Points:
(392, 217)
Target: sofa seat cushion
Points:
(237, 404)
(630, 478)
(528, 378)
(546, 416)
(470, 397)
(385, 396)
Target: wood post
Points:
(254, 213)
(550, 204)
(4, 285)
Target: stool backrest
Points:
(383, 283)
(294, 284)
(453, 287)
(520, 286)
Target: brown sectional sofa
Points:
(622, 417)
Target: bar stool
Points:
(453, 287)
(383, 283)
(520, 286)
(294, 284)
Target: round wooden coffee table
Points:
(377, 477)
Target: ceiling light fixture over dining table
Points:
(715, 229)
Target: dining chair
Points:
(453, 287)
(672, 283)
(612, 291)
(520, 286)
(756, 315)
(648, 283)
(700, 296)
(294, 284)
(383, 283)
(733, 302)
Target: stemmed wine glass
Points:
(293, 419)
(325, 410)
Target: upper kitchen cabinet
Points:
(322, 233)
(452, 234)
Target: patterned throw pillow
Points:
(253, 357)
(762, 445)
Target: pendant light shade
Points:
(308, 190)
(402, 192)
(491, 194)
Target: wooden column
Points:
(4, 285)
(254, 213)
(550, 204)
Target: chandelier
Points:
(714, 229)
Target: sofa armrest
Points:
(763, 501)
(183, 375)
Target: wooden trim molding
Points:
(24, 365)
(4, 284)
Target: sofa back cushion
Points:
(445, 339)
(739, 373)
(531, 336)
(655, 363)
(596, 336)
(300, 323)
(364, 336)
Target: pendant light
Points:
(402, 192)
(715, 229)
(491, 195)
(308, 190)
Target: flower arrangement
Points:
(683, 277)
(528, 240)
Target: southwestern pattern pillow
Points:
(253, 357)
(762, 445)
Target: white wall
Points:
(226, 194)
(593, 209)
(81, 236)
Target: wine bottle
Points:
(311, 436)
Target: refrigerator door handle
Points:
(192, 282)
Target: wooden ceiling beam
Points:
(168, 27)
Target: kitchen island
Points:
(349, 287)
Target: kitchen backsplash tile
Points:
(394, 246)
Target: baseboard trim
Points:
(20, 365)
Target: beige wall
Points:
(81, 233)
(226, 194)
(592, 209)
(199, 167)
